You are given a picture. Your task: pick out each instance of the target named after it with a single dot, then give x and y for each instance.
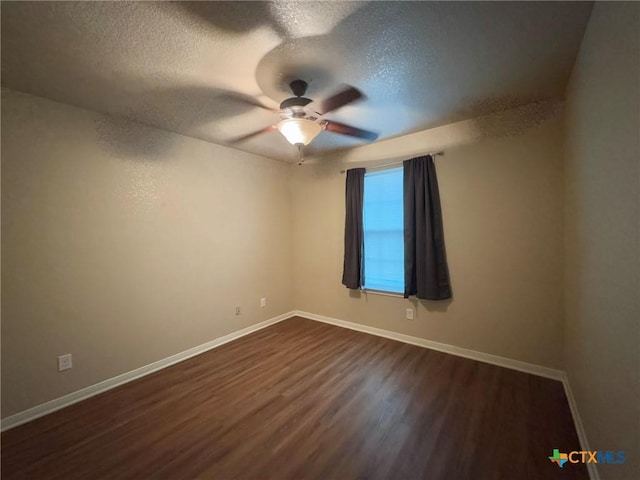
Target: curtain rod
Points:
(434, 154)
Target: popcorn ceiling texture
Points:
(176, 65)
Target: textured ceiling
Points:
(189, 67)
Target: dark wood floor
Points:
(302, 399)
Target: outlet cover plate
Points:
(65, 362)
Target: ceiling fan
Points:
(301, 123)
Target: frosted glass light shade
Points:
(299, 130)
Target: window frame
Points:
(376, 290)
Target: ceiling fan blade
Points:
(340, 99)
(246, 99)
(335, 127)
(253, 134)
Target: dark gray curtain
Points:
(352, 273)
(426, 274)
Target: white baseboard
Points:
(577, 421)
(442, 347)
(74, 397)
(79, 395)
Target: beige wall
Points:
(124, 244)
(501, 192)
(602, 345)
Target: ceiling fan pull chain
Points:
(301, 152)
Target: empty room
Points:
(320, 240)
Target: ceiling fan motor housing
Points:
(295, 102)
(299, 88)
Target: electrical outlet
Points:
(238, 311)
(65, 362)
(409, 313)
(263, 302)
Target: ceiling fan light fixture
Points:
(299, 130)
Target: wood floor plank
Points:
(302, 399)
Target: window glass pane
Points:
(384, 231)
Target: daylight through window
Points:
(384, 231)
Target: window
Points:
(384, 231)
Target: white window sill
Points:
(383, 293)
